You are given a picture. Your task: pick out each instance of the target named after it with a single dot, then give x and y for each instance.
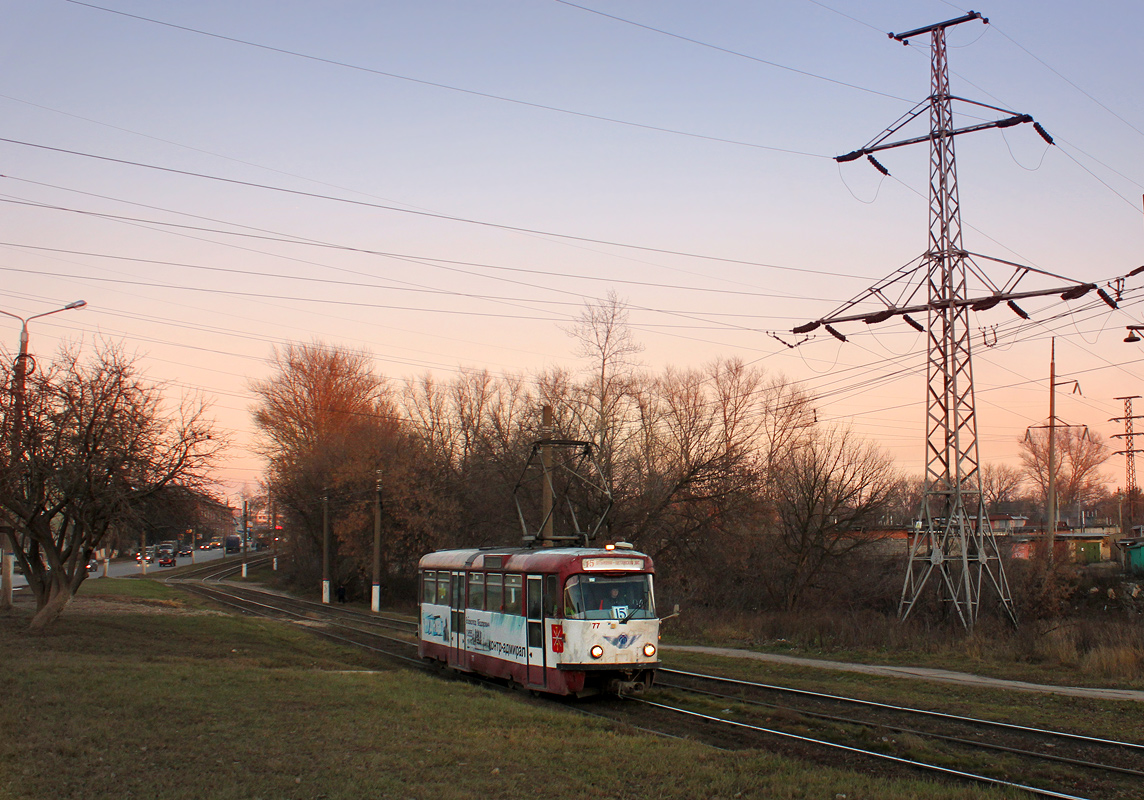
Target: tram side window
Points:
(534, 599)
(429, 587)
(551, 594)
(443, 588)
(513, 594)
(494, 587)
(477, 590)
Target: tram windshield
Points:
(603, 597)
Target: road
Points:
(126, 567)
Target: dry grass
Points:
(180, 705)
(1102, 651)
(1112, 662)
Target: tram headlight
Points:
(596, 651)
(649, 649)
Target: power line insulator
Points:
(1018, 310)
(881, 316)
(1104, 296)
(986, 304)
(806, 327)
(1135, 272)
(1044, 133)
(851, 156)
(835, 334)
(1078, 291)
(878, 165)
(913, 323)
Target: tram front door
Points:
(534, 616)
(457, 655)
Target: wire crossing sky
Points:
(446, 184)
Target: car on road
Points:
(150, 555)
(185, 551)
(167, 559)
(92, 565)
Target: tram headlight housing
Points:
(649, 649)
(596, 651)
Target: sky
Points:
(446, 184)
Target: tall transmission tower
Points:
(1131, 492)
(953, 549)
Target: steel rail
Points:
(918, 711)
(377, 620)
(921, 765)
(213, 571)
(926, 734)
(245, 604)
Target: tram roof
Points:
(548, 559)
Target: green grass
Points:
(1105, 718)
(118, 701)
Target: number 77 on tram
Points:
(562, 620)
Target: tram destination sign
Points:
(611, 564)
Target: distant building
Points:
(1007, 523)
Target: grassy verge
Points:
(139, 692)
(1105, 718)
(1106, 652)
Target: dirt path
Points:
(922, 673)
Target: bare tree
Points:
(1079, 456)
(905, 502)
(1000, 484)
(605, 340)
(98, 442)
(829, 490)
(331, 430)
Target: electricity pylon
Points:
(954, 546)
(1129, 453)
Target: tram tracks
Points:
(735, 714)
(1060, 764)
(382, 634)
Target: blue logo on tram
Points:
(623, 641)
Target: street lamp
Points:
(19, 376)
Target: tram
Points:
(559, 620)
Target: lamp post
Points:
(19, 376)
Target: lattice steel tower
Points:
(954, 547)
(1131, 492)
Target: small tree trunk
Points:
(59, 595)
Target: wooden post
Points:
(546, 485)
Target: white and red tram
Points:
(559, 620)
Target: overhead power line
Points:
(736, 53)
(384, 207)
(436, 85)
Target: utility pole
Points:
(955, 549)
(1131, 492)
(274, 529)
(245, 527)
(19, 379)
(326, 548)
(546, 488)
(375, 603)
(1051, 509)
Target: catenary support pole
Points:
(1051, 494)
(375, 600)
(326, 549)
(546, 496)
(245, 528)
